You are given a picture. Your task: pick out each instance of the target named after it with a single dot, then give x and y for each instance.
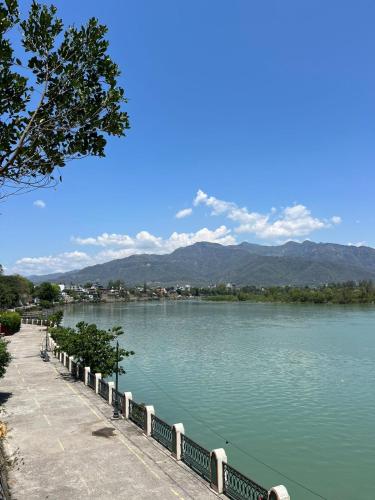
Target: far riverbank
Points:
(341, 293)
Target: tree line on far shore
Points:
(334, 293)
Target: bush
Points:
(56, 318)
(45, 304)
(4, 357)
(11, 322)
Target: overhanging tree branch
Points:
(25, 132)
(80, 103)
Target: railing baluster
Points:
(91, 380)
(162, 432)
(103, 389)
(116, 395)
(137, 414)
(240, 487)
(196, 457)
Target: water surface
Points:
(291, 386)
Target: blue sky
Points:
(261, 112)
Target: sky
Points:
(250, 121)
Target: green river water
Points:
(287, 388)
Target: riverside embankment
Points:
(64, 445)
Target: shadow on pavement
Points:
(4, 396)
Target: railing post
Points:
(111, 386)
(177, 430)
(70, 363)
(123, 409)
(278, 493)
(218, 457)
(149, 410)
(87, 371)
(127, 397)
(98, 376)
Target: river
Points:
(287, 388)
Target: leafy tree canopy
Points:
(59, 100)
(14, 291)
(48, 292)
(91, 346)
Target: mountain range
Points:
(292, 263)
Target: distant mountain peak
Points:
(204, 263)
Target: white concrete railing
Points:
(25, 320)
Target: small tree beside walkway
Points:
(92, 347)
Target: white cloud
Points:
(39, 204)
(358, 244)
(145, 241)
(185, 212)
(62, 262)
(117, 246)
(292, 221)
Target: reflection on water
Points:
(291, 385)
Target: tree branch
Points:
(12, 159)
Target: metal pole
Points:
(116, 414)
(45, 355)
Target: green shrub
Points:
(45, 304)
(11, 322)
(4, 357)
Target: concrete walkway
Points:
(64, 445)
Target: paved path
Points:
(58, 454)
